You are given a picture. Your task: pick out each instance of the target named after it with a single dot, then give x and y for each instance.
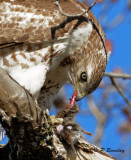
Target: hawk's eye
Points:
(83, 77)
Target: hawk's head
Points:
(87, 68)
(86, 74)
(88, 57)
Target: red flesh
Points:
(73, 99)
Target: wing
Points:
(31, 21)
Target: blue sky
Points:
(121, 36)
(120, 58)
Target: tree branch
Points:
(120, 91)
(112, 76)
(118, 75)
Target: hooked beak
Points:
(74, 98)
(79, 95)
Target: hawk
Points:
(42, 49)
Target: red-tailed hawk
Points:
(43, 49)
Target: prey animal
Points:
(42, 49)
